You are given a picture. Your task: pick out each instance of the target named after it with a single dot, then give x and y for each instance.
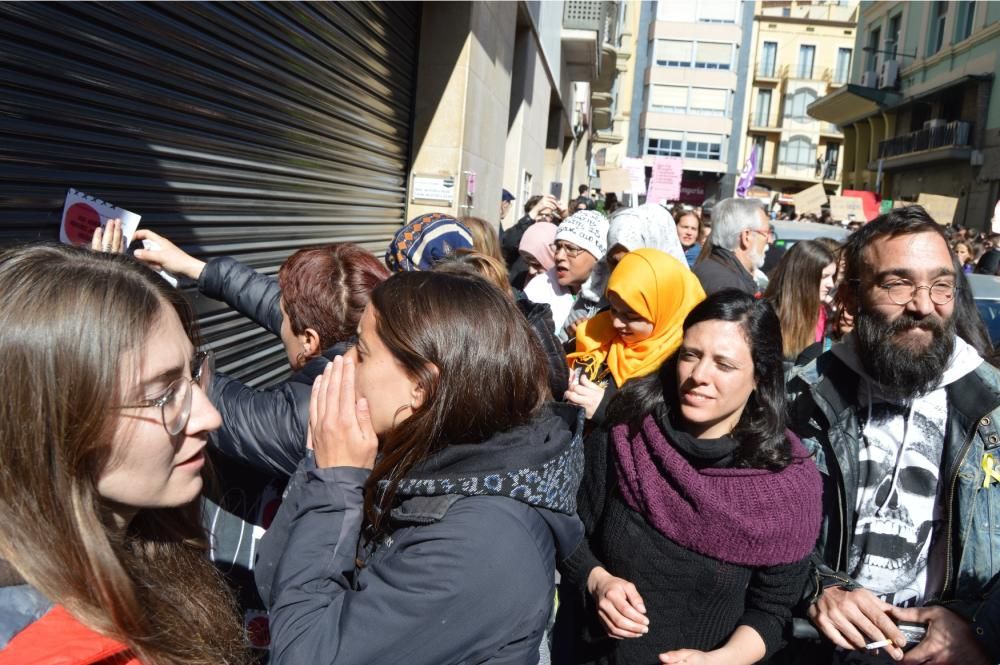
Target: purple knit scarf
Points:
(747, 517)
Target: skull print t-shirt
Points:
(897, 507)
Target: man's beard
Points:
(757, 260)
(902, 372)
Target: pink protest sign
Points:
(665, 183)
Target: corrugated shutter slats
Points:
(248, 130)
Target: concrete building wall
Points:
(463, 92)
(692, 107)
(941, 79)
(495, 102)
(789, 141)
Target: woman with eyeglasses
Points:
(574, 287)
(426, 524)
(701, 509)
(649, 293)
(314, 307)
(103, 428)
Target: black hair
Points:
(969, 324)
(897, 222)
(988, 263)
(761, 428)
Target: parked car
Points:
(986, 291)
(788, 233)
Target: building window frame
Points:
(937, 26)
(687, 148)
(804, 152)
(966, 20)
(692, 61)
(807, 56)
(842, 70)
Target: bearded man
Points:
(902, 418)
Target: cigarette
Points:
(878, 645)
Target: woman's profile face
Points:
(687, 230)
(381, 379)
(148, 467)
(631, 326)
(715, 376)
(534, 266)
(826, 284)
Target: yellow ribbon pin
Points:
(991, 469)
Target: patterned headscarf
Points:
(649, 225)
(426, 240)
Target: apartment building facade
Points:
(690, 99)
(801, 51)
(921, 113)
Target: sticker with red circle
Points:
(83, 214)
(258, 629)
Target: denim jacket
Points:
(823, 402)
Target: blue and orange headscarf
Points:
(426, 240)
(659, 288)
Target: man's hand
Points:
(547, 206)
(852, 619)
(949, 639)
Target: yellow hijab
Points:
(659, 288)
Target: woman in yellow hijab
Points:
(650, 293)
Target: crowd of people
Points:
(608, 434)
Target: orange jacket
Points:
(59, 639)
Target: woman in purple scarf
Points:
(701, 509)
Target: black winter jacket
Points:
(722, 270)
(261, 441)
(466, 574)
(266, 428)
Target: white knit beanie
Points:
(587, 229)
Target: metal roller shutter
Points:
(247, 130)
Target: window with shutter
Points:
(713, 55)
(709, 101)
(669, 98)
(673, 53)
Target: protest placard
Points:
(847, 208)
(615, 180)
(665, 183)
(940, 208)
(810, 200)
(82, 215)
(636, 175)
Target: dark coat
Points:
(722, 270)
(260, 444)
(466, 575)
(263, 427)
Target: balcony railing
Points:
(955, 134)
(771, 71)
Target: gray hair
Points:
(730, 217)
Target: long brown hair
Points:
(476, 359)
(473, 263)
(485, 237)
(71, 324)
(794, 292)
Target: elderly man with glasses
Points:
(736, 247)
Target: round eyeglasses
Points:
(901, 292)
(175, 402)
(572, 251)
